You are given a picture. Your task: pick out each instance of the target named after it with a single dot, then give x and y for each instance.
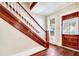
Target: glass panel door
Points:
(70, 26)
(52, 27)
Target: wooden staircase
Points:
(19, 25)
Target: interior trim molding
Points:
(71, 15)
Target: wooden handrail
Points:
(31, 16)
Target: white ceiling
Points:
(46, 8)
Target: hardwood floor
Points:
(56, 51)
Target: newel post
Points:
(47, 39)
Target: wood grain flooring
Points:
(54, 50)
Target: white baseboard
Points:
(30, 52)
(71, 49)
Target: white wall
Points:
(40, 19)
(12, 41)
(66, 10)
